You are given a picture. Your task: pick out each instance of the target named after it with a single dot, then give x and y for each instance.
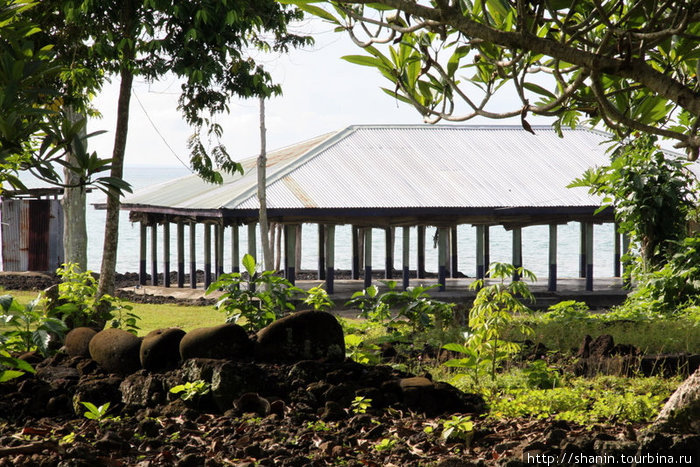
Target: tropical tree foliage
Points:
(632, 64)
(652, 195)
(206, 44)
(34, 133)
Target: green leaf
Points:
(363, 60)
(7, 375)
(314, 10)
(539, 90)
(249, 264)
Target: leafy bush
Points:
(32, 329)
(413, 306)
(541, 376)
(568, 310)
(255, 301)
(76, 304)
(318, 298)
(652, 196)
(670, 289)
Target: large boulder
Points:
(116, 351)
(682, 411)
(304, 335)
(160, 349)
(227, 341)
(77, 342)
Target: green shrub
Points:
(256, 301)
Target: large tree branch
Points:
(636, 70)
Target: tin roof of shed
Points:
(403, 166)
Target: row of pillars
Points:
(446, 240)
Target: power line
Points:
(159, 133)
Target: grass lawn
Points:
(169, 315)
(154, 316)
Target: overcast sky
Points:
(321, 93)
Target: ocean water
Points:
(534, 239)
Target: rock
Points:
(160, 349)
(142, 389)
(77, 342)
(227, 341)
(602, 346)
(229, 380)
(304, 335)
(682, 411)
(422, 395)
(584, 349)
(251, 402)
(332, 412)
(116, 351)
(97, 391)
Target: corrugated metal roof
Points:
(400, 166)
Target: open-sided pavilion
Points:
(383, 177)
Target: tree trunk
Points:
(74, 205)
(268, 260)
(109, 250)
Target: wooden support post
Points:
(589, 256)
(166, 253)
(368, 256)
(330, 257)
(406, 253)
(142, 253)
(193, 255)
(388, 252)
(517, 250)
(355, 252)
(442, 257)
(290, 247)
(552, 280)
(582, 252)
(420, 267)
(217, 245)
(297, 248)
(154, 254)
(180, 254)
(480, 266)
(617, 257)
(321, 252)
(235, 249)
(487, 249)
(454, 259)
(207, 255)
(220, 269)
(252, 247)
(625, 249)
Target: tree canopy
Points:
(34, 134)
(631, 64)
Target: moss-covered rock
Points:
(160, 349)
(304, 335)
(116, 351)
(227, 341)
